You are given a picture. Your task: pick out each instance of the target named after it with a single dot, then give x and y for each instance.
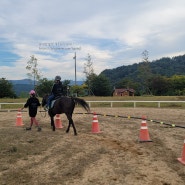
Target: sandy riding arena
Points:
(112, 157)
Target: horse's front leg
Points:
(52, 123)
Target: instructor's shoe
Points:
(28, 128)
(39, 129)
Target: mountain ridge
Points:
(165, 66)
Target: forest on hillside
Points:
(165, 67)
(159, 77)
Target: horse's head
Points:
(44, 100)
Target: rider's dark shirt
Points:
(57, 89)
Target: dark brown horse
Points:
(65, 105)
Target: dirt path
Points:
(111, 157)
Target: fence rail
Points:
(11, 104)
(158, 103)
(112, 103)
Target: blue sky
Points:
(113, 32)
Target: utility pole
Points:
(61, 46)
(75, 66)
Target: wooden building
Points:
(123, 92)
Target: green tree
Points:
(6, 89)
(77, 90)
(178, 84)
(44, 86)
(101, 86)
(89, 73)
(34, 73)
(145, 74)
(66, 87)
(126, 83)
(159, 85)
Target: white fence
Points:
(11, 104)
(158, 103)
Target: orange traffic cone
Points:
(182, 159)
(95, 124)
(144, 135)
(58, 122)
(19, 121)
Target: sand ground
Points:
(112, 157)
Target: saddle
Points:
(53, 101)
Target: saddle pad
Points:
(52, 103)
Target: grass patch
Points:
(20, 102)
(135, 98)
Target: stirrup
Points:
(46, 108)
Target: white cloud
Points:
(114, 33)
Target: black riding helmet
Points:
(57, 78)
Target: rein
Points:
(43, 113)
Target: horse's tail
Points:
(83, 103)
